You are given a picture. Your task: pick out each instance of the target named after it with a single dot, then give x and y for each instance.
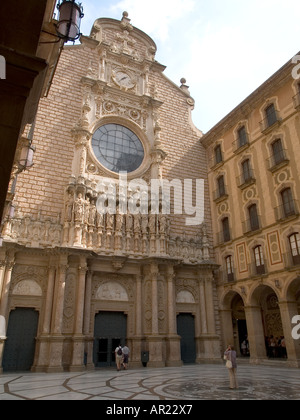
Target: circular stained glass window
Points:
(117, 148)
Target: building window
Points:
(271, 115)
(218, 155)
(288, 204)
(226, 230)
(259, 260)
(221, 186)
(294, 240)
(246, 171)
(117, 148)
(253, 218)
(229, 268)
(242, 137)
(278, 152)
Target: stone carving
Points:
(184, 296)
(27, 288)
(112, 291)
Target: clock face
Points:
(123, 79)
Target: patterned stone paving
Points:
(190, 383)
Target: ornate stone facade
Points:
(72, 264)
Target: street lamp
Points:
(70, 15)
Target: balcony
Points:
(278, 160)
(291, 260)
(257, 270)
(220, 194)
(252, 225)
(240, 145)
(270, 122)
(223, 237)
(287, 210)
(245, 180)
(215, 163)
(225, 277)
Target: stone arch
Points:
(185, 296)
(234, 321)
(293, 292)
(112, 291)
(27, 288)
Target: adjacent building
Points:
(254, 178)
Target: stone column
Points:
(137, 340)
(155, 340)
(227, 327)
(2, 271)
(57, 339)
(89, 336)
(77, 364)
(173, 339)
(203, 308)
(43, 341)
(208, 343)
(2, 339)
(4, 313)
(6, 285)
(288, 310)
(256, 334)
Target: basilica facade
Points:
(132, 226)
(94, 249)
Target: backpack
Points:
(120, 352)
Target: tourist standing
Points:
(230, 356)
(119, 357)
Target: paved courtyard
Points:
(204, 382)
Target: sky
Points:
(225, 49)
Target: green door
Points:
(110, 331)
(20, 344)
(186, 330)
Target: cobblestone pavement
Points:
(201, 382)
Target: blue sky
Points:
(224, 48)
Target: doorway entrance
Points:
(186, 330)
(20, 344)
(110, 331)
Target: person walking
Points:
(126, 353)
(230, 356)
(119, 357)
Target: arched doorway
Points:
(240, 330)
(266, 329)
(186, 330)
(109, 332)
(234, 323)
(21, 339)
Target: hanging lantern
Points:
(26, 157)
(70, 15)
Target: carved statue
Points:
(79, 208)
